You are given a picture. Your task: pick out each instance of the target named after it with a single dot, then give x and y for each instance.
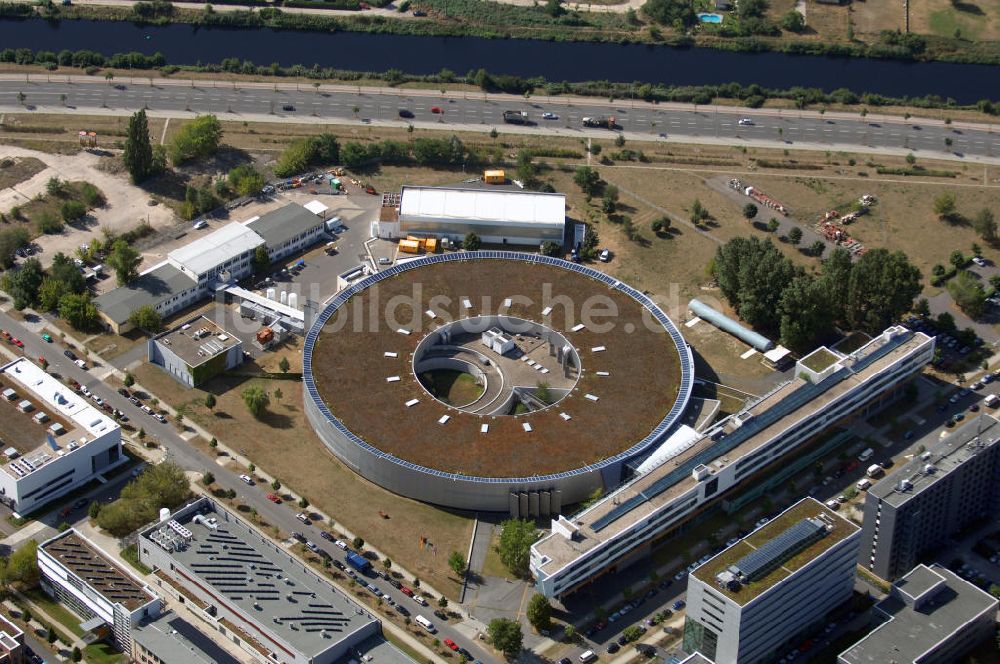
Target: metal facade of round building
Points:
(566, 375)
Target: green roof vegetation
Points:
(819, 359)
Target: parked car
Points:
(274, 498)
(451, 644)
(678, 605)
(301, 516)
(325, 535)
(341, 544)
(81, 364)
(247, 479)
(298, 537)
(125, 393)
(605, 255)
(978, 260)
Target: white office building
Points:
(497, 216)
(749, 602)
(229, 249)
(108, 600)
(55, 439)
(745, 448)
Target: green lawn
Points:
(102, 653)
(946, 21)
(57, 611)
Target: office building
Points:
(211, 262)
(497, 215)
(169, 639)
(743, 450)
(54, 439)
(930, 617)
(751, 600)
(108, 600)
(952, 484)
(195, 351)
(12, 650)
(249, 589)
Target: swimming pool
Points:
(710, 18)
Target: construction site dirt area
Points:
(629, 381)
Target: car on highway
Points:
(549, 116)
(746, 122)
(274, 498)
(405, 113)
(436, 109)
(288, 107)
(247, 479)
(70, 354)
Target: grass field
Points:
(15, 170)
(975, 19)
(283, 444)
(452, 387)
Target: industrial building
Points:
(55, 439)
(479, 456)
(952, 484)
(195, 351)
(169, 639)
(741, 451)
(498, 215)
(109, 600)
(211, 263)
(251, 590)
(748, 602)
(931, 616)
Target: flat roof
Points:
(909, 633)
(85, 560)
(266, 584)
(77, 416)
(176, 641)
(560, 550)
(210, 251)
(153, 287)
(807, 508)
(943, 455)
(492, 205)
(350, 367)
(198, 340)
(376, 650)
(279, 226)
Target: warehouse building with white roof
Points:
(497, 215)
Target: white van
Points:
(992, 401)
(587, 656)
(863, 485)
(426, 624)
(867, 454)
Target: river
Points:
(556, 61)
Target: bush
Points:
(49, 224)
(72, 210)
(196, 140)
(91, 195)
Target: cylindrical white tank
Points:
(293, 300)
(164, 513)
(284, 297)
(270, 293)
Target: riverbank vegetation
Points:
(752, 26)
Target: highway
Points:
(190, 458)
(639, 120)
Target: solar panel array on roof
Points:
(776, 551)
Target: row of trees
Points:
(772, 294)
(305, 153)
(420, 151)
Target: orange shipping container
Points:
(409, 246)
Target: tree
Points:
(957, 259)
(752, 274)
(261, 259)
(795, 235)
(881, 289)
(124, 260)
(699, 212)
(793, 21)
(443, 602)
(540, 612)
(968, 293)
(670, 12)
(773, 223)
(505, 634)
(210, 402)
(527, 171)
(587, 179)
(138, 153)
(146, 318)
(516, 538)
(749, 210)
(550, 248)
(985, 225)
(55, 187)
(256, 400)
(245, 180)
(944, 206)
(72, 210)
(358, 543)
(922, 308)
(129, 380)
(23, 283)
(278, 394)
(471, 242)
(197, 139)
(457, 563)
(51, 635)
(22, 566)
(208, 478)
(284, 365)
(77, 655)
(817, 248)
(78, 310)
(387, 563)
(554, 8)
(805, 313)
(10, 241)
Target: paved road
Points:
(337, 104)
(190, 458)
